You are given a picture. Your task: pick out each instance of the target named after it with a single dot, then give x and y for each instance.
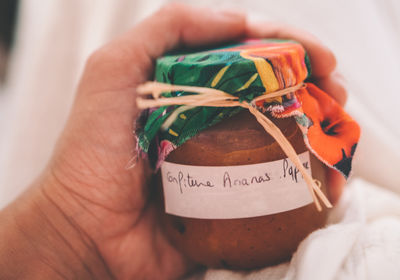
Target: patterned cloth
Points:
(247, 70)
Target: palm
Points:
(123, 218)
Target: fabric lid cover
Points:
(247, 70)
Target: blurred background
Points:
(44, 46)
(8, 14)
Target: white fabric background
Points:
(55, 37)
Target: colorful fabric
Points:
(329, 132)
(247, 70)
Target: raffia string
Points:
(217, 98)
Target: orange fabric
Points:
(332, 134)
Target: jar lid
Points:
(247, 69)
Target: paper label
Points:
(229, 192)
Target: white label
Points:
(229, 192)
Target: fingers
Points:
(129, 59)
(177, 25)
(323, 62)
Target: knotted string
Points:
(211, 97)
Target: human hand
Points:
(97, 212)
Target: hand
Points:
(97, 212)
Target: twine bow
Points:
(211, 97)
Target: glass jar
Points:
(243, 243)
(228, 194)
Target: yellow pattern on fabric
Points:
(266, 73)
(249, 82)
(219, 75)
(170, 131)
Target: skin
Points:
(88, 216)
